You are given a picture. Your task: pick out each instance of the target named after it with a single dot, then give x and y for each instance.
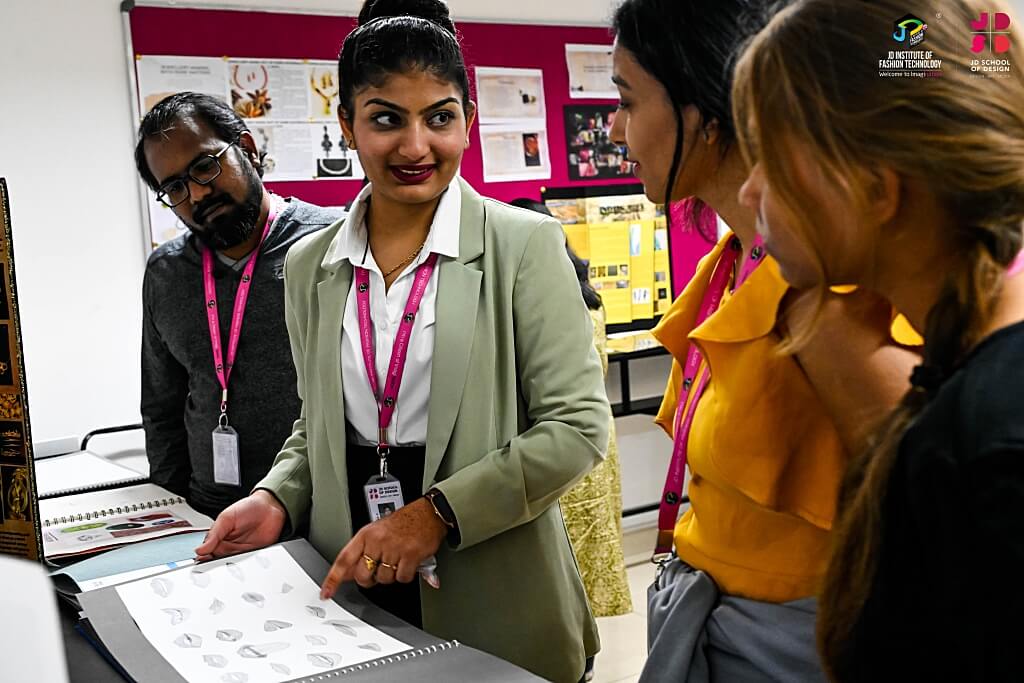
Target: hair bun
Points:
(435, 11)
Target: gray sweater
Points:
(180, 391)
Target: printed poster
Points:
(515, 152)
(290, 106)
(590, 72)
(610, 270)
(305, 151)
(274, 90)
(626, 243)
(162, 76)
(509, 95)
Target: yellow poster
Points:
(609, 269)
(662, 269)
(641, 269)
(578, 237)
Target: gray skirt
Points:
(697, 635)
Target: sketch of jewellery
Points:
(250, 95)
(323, 84)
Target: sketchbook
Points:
(90, 522)
(79, 472)
(257, 617)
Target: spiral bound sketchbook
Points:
(94, 521)
(257, 617)
(80, 472)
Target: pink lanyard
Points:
(1017, 265)
(213, 317)
(672, 494)
(386, 402)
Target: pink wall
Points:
(216, 33)
(686, 245)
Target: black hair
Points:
(215, 113)
(396, 36)
(590, 296)
(691, 47)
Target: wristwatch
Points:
(445, 513)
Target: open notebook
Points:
(89, 522)
(257, 617)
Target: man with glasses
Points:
(218, 396)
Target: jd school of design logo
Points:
(991, 31)
(910, 30)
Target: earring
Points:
(706, 136)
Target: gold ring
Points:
(371, 564)
(389, 566)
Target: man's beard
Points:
(237, 224)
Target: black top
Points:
(948, 599)
(180, 390)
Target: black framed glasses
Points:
(203, 171)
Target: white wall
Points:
(66, 140)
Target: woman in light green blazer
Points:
(516, 411)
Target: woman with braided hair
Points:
(912, 188)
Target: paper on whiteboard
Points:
(590, 71)
(258, 620)
(515, 152)
(161, 76)
(509, 95)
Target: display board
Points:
(526, 129)
(19, 506)
(625, 240)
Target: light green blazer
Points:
(517, 415)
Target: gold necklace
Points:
(407, 259)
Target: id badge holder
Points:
(226, 467)
(383, 496)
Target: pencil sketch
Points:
(324, 660)
(253, 598)
(162, 586)
(217, 661)
(177, 614)
(188, 640)
(275, 625)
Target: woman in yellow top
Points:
(771, 433)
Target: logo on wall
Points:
(991, 32)
(909, 30)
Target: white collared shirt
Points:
(409, 423)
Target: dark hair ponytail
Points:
(396, 36)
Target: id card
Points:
(383, 496)
(226, 468)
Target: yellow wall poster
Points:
(609, 257)
(578, 237)
(662, 268)
(641, 269)
(624, 238)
